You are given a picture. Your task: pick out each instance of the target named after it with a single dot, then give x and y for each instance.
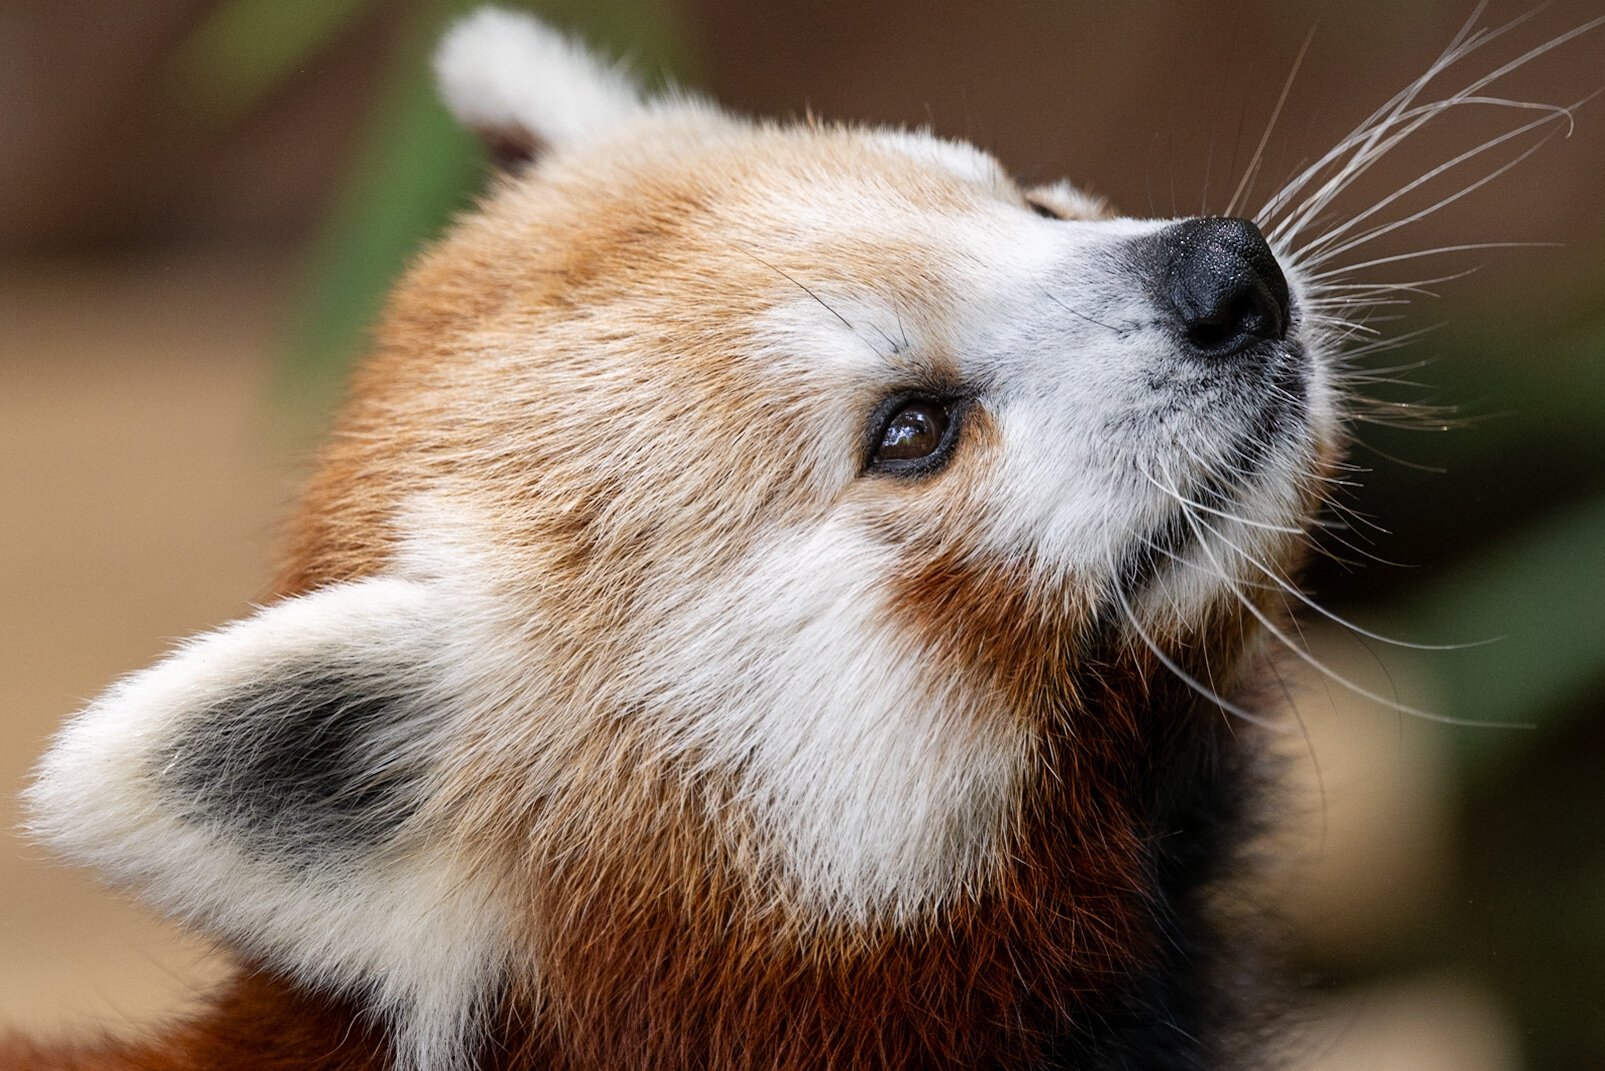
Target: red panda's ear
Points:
(269, 783)
(523, 87)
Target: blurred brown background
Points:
(200, 202)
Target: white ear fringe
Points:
(409, 928)
(503, 73)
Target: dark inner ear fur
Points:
(296, 769)
(510, 147)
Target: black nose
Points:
(1227, 290)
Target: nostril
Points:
(1226, 288)
(1244, 317)
(1219, 326)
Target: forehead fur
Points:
(641, 271)
(694, 188)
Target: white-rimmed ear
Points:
(266, 783)
(1068, 202)
(523, 87)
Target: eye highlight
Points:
(913, 435)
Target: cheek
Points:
(1033, 490)
(1063, 494)
(866, 770)
(992, 623)
(968, 585)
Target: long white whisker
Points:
(1338, 507)
(1376, 148)
(1325, 670)
(1341, 302)
(1346, 329)
(1187, 678)
(1378, 232)
(1363, 141)
(1373, 146)
(1325, 240)
(1337, 273)
(1276, 113)
(1413, 286)
(1184, 500)
(1461, 45)
(1293, 590)
(1184, 562)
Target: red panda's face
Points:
(725, 517)
(788, 447)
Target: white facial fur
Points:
(879, 787)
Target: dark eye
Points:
(914, 436)
(1042, 210)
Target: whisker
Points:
(1276, 112)
(1357, 302)
(1463, 44)
(1397, 120)
(1553, 112)
(1051, 296)
(1366, 134)
(1414, 217)
(1184, 500)
(1363, 160)
(1326, 671)
(1337, 273)
(1186, 678)
(1358, 520)
(1414, 286)
(1349, 328)
(1292, 589)
(1184, 562)
(1366, 407)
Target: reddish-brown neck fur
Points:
(987, 984)
(258, 1022)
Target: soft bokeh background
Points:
(201, 203)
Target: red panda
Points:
(779, 596)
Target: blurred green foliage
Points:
(415, 167)
(243, 49)
(415, 170)
(1537, 596)
(1514, 523)
(1513, 527)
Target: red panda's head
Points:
(755, 558)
